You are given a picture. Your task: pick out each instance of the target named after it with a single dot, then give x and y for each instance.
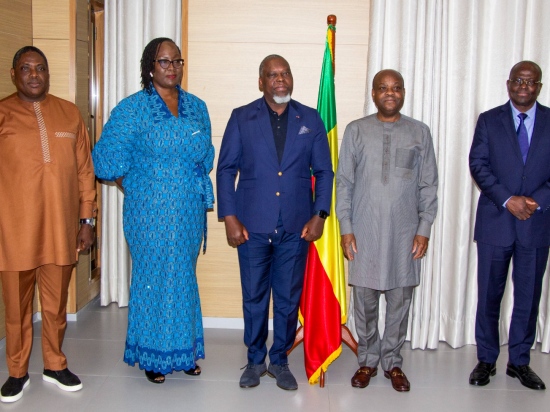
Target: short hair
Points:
(535, 66)
(27, 49)
(148, 61)
(270, 57)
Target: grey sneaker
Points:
(251, 375)
(285, 378)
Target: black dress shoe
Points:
(526, 376)
(481, 375)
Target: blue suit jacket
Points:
(267, 188)
(497, 168)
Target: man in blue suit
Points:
(273, 144)
(510, 162)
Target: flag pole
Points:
(331, 22)
(347, 336)
(322, 305)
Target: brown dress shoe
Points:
(398, 380)
(362, 377)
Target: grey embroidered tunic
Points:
(386, 193)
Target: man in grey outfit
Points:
(386, 202)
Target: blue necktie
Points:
(523, 138)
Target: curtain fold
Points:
(455, 57)
(129, 26)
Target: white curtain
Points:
(455, 57)
(129, 26)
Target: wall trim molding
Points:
(207, 322)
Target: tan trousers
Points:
(18, 292)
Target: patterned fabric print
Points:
(43, 133)
(65, 134)
(164, 216)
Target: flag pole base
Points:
(347, 338)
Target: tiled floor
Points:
(94, 346)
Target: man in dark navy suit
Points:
(510, 162)
(273, 144)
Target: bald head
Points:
(268, 59)
(526, 65)
(383, 73)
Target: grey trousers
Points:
(373, 350)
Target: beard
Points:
(281, 99)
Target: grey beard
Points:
(281, 99)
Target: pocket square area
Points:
(304, 130)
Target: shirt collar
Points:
(271, 111)
(530, 113)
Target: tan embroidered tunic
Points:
(46, 182)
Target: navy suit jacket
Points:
(497, 168)
(266, 188)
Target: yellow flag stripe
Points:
(333, 261)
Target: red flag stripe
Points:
(318, 293)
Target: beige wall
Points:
(227, 41)
(60, 29)
(15, 32)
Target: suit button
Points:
(280, 173)
(523, 177)
(277, 194)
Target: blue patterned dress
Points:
(165, 161)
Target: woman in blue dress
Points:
(157, 146)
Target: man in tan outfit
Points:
(46, 185)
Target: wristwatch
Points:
(89, 221)
(323, 214)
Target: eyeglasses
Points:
(527, 82)
(165, 63)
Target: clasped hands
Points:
(522, 207)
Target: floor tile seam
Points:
(431, 387)
(98, 392)
(178, 379)
(106, 375)
(93, 339)
(508, 390)
(170, 378)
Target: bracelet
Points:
(89, 221)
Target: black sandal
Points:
(196, 371)
(155, 377)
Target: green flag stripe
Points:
(326, 105)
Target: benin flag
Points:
(323, 302)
